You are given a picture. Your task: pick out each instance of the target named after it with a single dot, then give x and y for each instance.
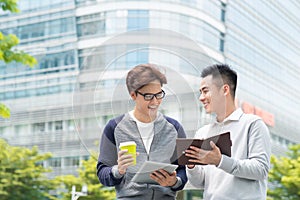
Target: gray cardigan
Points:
(163, 149)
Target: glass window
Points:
(66, 25)
(137, 19)
(136, 57)
(24, 32)
(21, 93)
(38, 30)
(21, 129)
(55, 162)
(107, 117)
(50, 126)
(84, 2)
(4, 130)
(91, 24)
(116, 21)
(71, 125)
(54, 89)
(90, 123)
(57, 59)
(9, 95)
(28, 5)
(2, 95)
(85, 157)
(66, 88)
(68, 58)
(38, 127)
(136, 54)
(41, 91)
(58, 125)
(71, 161)
(54, 27)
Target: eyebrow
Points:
(201, 89)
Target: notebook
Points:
(222, 141)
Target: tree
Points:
(4, 111)
(87, 175)
(22, 176)
(284, 177)
(8, 52)
(8, 42)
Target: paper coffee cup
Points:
(131, 147)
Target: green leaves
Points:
(8, 54)
(87, 175)
(4, 111)
(21, 175)
(284, 177)
(7, 42)
(9, 5)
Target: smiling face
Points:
(212, 96)
(146, 111)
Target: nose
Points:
(201, 97)
(155, 100)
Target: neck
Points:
(143, 118)
(229, 109)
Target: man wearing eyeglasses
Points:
(155, 135)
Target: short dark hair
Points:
(142, 75)
(224, 73)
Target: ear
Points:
(133, 95)
(226, 89)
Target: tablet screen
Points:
(143, 175)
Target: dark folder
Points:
(222, 141)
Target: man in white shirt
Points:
(244, 174)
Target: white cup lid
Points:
(127, 143)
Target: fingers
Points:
(212, 144)
(201, 156)
(190, 166)
(164, 178)
(195, 152)
(157, 175)
(124, 161)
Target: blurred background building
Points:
(85, 47)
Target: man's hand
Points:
(198, 155)
(124, 161)
(163, 177)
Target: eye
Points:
(159, 95)
(148, 96)
(204, 92)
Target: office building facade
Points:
(85, 47)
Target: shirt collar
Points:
(235, 116)
(133, 118)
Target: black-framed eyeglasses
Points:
(150, 96)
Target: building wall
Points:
(262, 43)
(85, 48)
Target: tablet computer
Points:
(143, 174)
(222, 141)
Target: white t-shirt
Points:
(146, 131)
